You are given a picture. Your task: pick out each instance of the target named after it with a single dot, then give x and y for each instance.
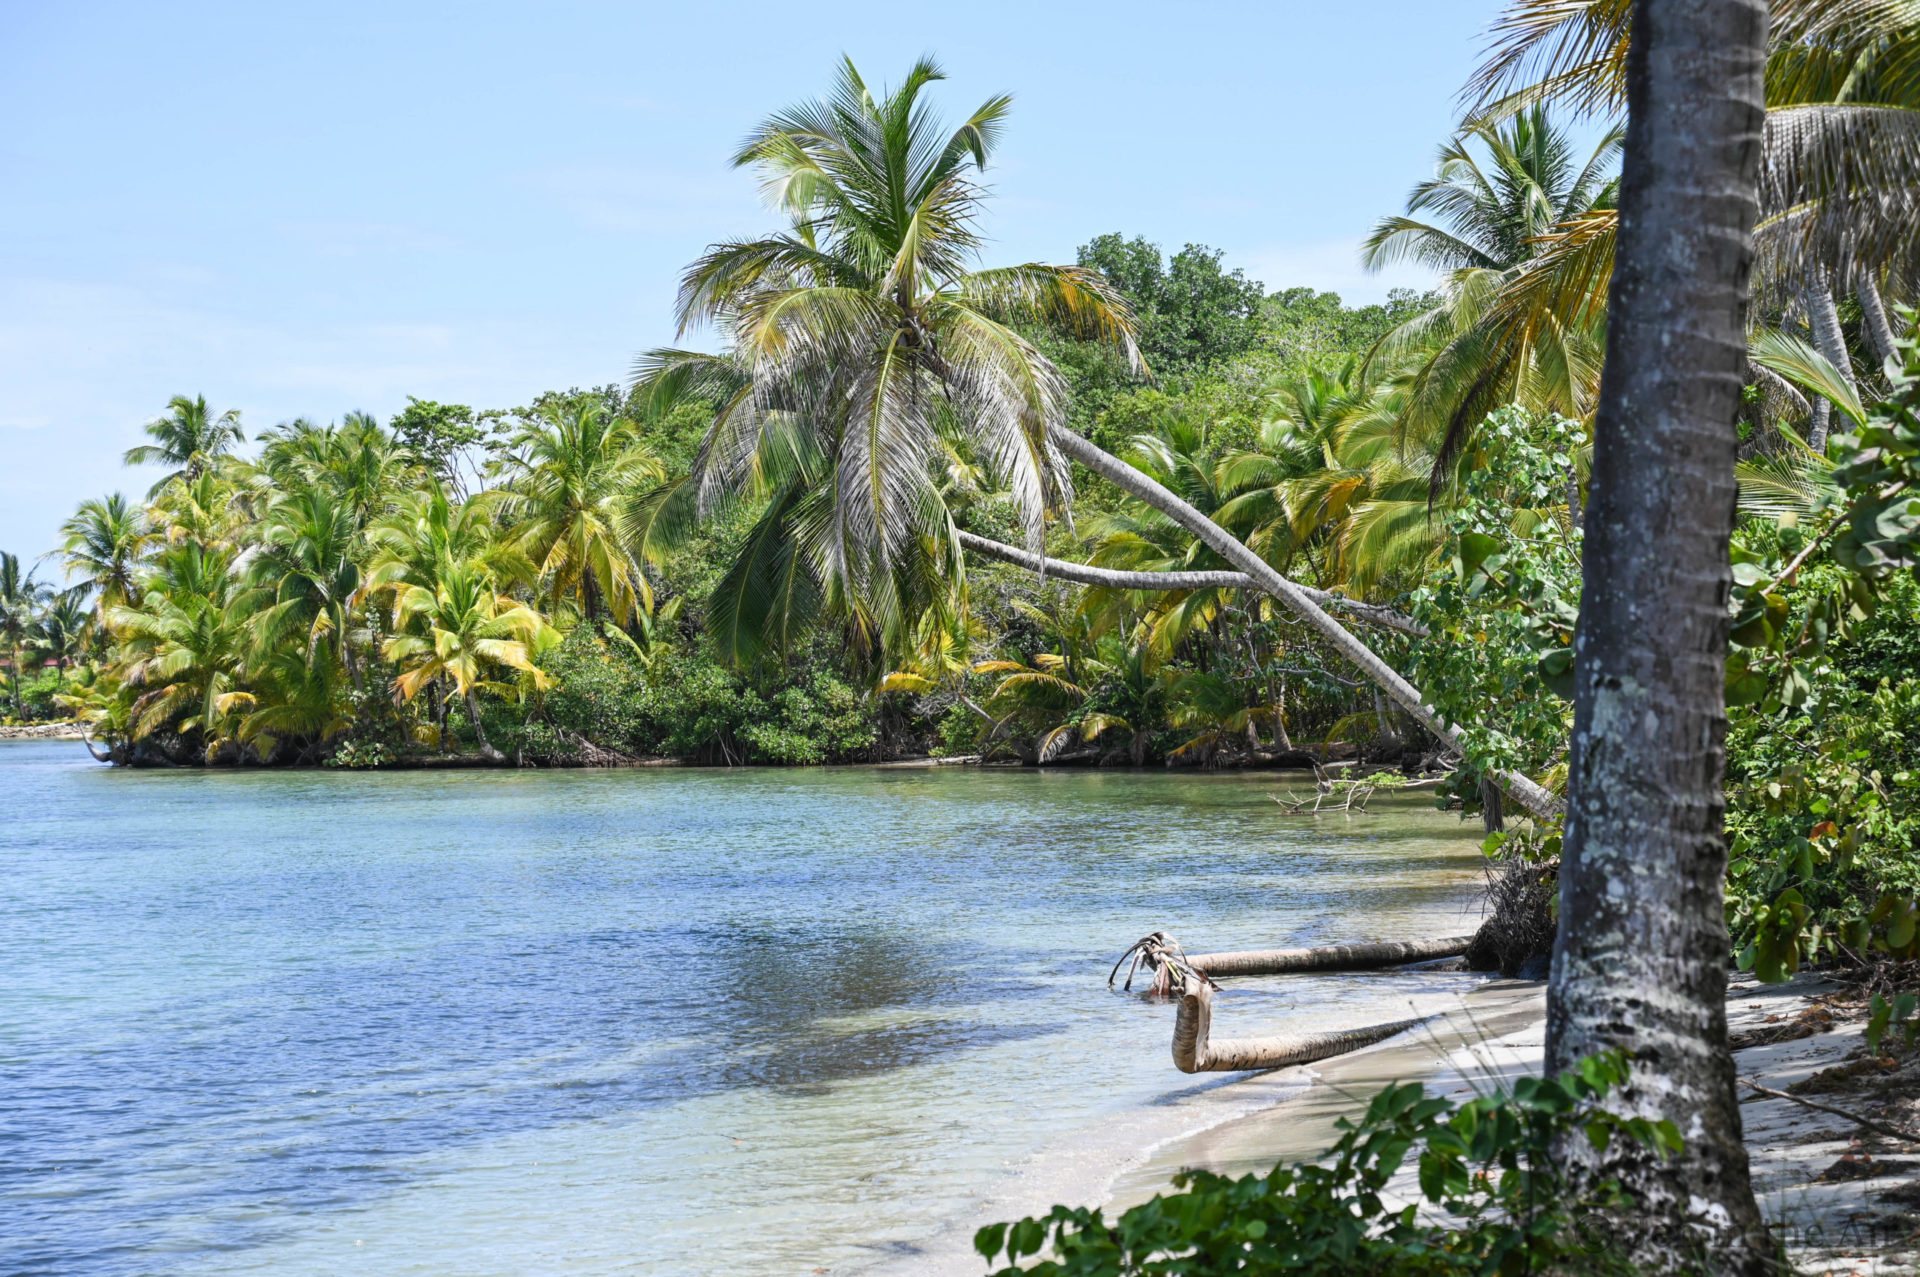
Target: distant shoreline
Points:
(43, 731)
(1294, 762)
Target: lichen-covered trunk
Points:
(1640, 962)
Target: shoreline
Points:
(42, 731)
(475, 762)
(1249, 1122)
(1116, 1166)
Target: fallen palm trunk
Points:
(1330, 957)
(1125, 477)
(1194, 1052)
(1171, 967)
(1113, 579)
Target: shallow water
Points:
(654, 1021)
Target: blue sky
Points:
(304, 210)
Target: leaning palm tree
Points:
(857, 335)
(187, 439)
(105, 542)
(570, 471)
(459, 628)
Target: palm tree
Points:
(21, 598)
(210, 509)
(304, 579)
(1840, 178)
(458, 629)
(428, 529)
(62, 632)
(1493, 220)
(359, 462)
(187, 439)
(183, 649)
(859, 337)
(1640, 960)
(297, 700)
(570, 472)
(858, 334)
(104, 544)
(1493, 212)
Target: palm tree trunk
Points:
(1265, 578)
(1194, 1051)
(487, 751)
(18, 712)
(1879, 331)
(1113, 579)
(1640, 961)
(1824, 318)
(1280, 736)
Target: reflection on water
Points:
(648, 1021)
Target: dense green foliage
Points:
(747, 557)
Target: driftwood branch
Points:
(1882, 1128)
(1332, 957)
(1114, 579)
(1195, 1052)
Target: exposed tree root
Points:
(1194, 1052)
(1871, 1124)
(1517, 937)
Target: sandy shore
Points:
(1261, 1117)
(42, 731)
(1833, 1193)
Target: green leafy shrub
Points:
(1503, 603)
(356, 755)
(680, 703)
(1487, 1166)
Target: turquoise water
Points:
(656, 1021)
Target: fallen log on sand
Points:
(1194, 1052)
(1331, 957)
(1162, 956)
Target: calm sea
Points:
(659, 1021)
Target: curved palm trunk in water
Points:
(1227, 546)
(1195, 1052)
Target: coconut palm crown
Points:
(186, 440)
(862, 334)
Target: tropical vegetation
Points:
(1132, 510)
